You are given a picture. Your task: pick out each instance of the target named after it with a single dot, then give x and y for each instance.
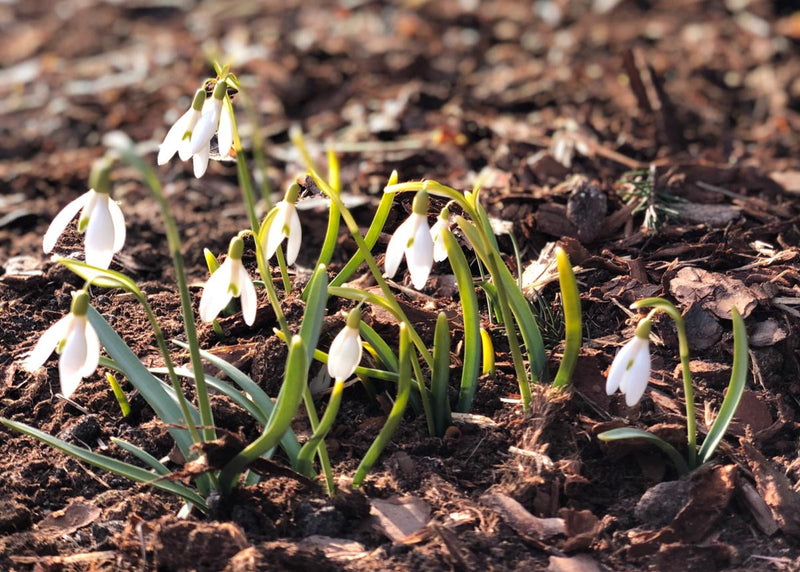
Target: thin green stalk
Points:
(424, 394)
(306, 454)
(688, 388)
(174, 242)
(322, 450)
(395, 415)
(573, 325)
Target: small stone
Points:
(659, 504)
(315, 517)
(85, 430)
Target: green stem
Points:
(683, 349)
(573, 326)
(303, 465)
(319, 447)
(395, 415)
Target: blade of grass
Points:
(632, 433)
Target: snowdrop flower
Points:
(75, 339)
(101, 219)
(230, 280)
(630, 370)
(345, 353)
(285, 224)
(178, 138)
(412, 239)
(212, 120)
(442, 222)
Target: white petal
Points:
(174, 137)
(439, 250)
(225, 131)
(275, 233)
(295, 234)
(62, 219)
(206, 127)
(638, 375)
(92, 351)
(419, 256)
(99, 241)
(216, 292)
(73, 357)
(345, 353)
(619, 366)
(47, 343)
(397, 246)
(247, 296)
(200, 161)
(119, 225)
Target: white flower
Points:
(104, 224)
(630, 370)
(211, 119)
(345, 353)
(412, 239)
(437, 231)
(230, 280)
(285, 224)
(75, 339)
(178, 138)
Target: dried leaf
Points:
(398, 518)
(518, 518)
(68, 520)
(716, 292)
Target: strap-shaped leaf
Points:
(573, 324)
(107, 463)
(102, 277)
(632, 433)
(735, 389)
(142, 455)
(440, 376)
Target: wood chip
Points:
(716, 292)
(68, 520)
(522, 521)
(400, 517)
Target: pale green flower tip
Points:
(393, 178)
(444, 214)
(220, 90)
(80, 304)
(292, 193)
(100, 176)
(354, 318)
(421, 202)
(199, 99)
(236, 248)
(643, 329)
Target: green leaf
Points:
(151, 388)
(107, 463)
(440, 376)
(142, 455)
(572, 319)
(472, 321)
(102, 277)
(385, 353)
(311, 326)
(631, 433)
(735, 389)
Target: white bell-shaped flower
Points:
(75, 339)
(285, 224)
(178, 138)
(412, 239)
(101, 219)
(207, 125)
(230, 280)
(630, 370)
(345, 353)
(442, 223)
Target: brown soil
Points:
(702, 95)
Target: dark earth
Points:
(656, 141)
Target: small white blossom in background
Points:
(345, 353)
(413, 240)
(285, 224)
(101, 219)
(178, 138)
(630, 370)
(230, 280)
(74, 338)
(212, 120)
(442, 222)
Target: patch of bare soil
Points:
(585, 119)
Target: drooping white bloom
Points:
(207, 125)
(230, 280)
(437, 230)
(412, 239)
(103, 222)
(345, 353)
(75, 339)
(630, 370)
(285, 224)
(178, 138)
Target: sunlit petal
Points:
(397, 247)
(92, 350)
(275, 233)
(119, 225)
(216, 293)
(62, 219)
(637, 377)
(419, 256)
(47, 343)
(225, 131)
(247, 297)
(200, 160)
(206, 127)
(174, 136)
(295, 234)
(345, 353)
(73, 358)
(619, 366)
(100, 234)
(439, 250)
